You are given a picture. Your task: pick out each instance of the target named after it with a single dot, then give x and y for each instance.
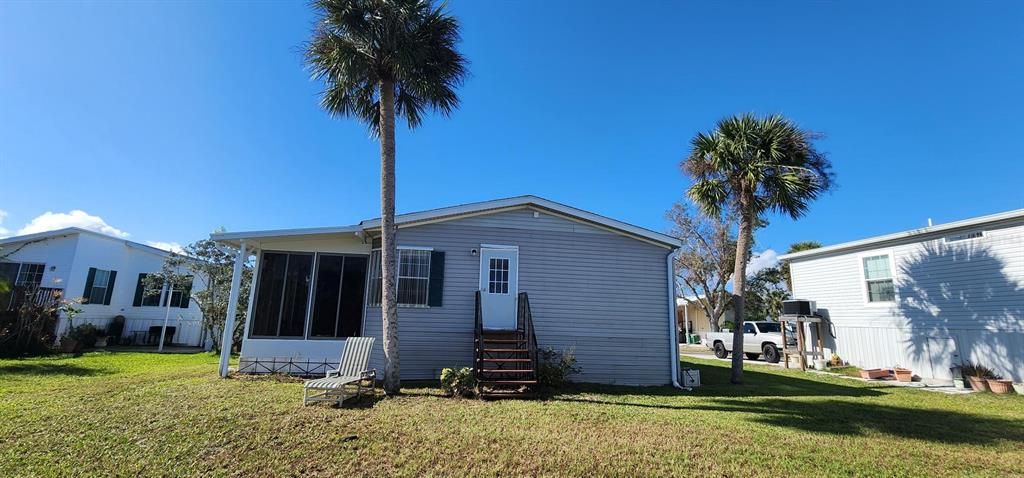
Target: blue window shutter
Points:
(110, 288)
(88, 285)
(435, 295)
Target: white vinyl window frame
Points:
(36, 272)
(375, 275)
(863, 280)
(100, 281)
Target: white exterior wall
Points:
(955, 301)
(298, 349)
(71, 255)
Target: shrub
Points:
(554, 367)
(728, 325)
(458, 382)
(85, 334)
(980, 371)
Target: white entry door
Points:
(499, 286)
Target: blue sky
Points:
(167, 120)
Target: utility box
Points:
(691, 377)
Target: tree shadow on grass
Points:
(854, 418)
(50, 369)
(756, 383)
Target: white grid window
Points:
(497, 281)
(878, 279)
(30, 274)
(99, 286)
(413, 277)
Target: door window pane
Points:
(497, 280)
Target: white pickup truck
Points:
(759, 338)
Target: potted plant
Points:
(903, 374)
(977, 376)
(999, 385)
(874, 373)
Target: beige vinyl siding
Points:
(964, 297)
(603, 294)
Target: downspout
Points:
(673, 326)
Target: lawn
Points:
(146, 414)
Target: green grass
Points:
(130, 414)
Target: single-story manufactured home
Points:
(600, 287)
(106, 273)
(925, 299)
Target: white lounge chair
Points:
(351, 375)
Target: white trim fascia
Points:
(68, 231)
(309, 231)
(499, 247)
(966, 223)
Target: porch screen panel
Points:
(296, 295)
(326, 296)
(267, 311)
(350, 313)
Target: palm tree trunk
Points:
(739, 283)
(388, 250)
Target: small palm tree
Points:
(753, 166)
(379, 59)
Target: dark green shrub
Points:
(85, 334)
(554, 367)
(458, 382)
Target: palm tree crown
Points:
(360, 46)
(768, 161)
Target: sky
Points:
(162, 121)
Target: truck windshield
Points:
(768, 327)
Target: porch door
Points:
(499, 286)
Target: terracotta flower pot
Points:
(978, 384)
(874, 373)
(904, 375)
(1000, 386)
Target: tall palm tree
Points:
(753, 166)
(379, 59)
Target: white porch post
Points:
(229, 321)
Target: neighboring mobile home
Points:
(595, 285)
(106, 274)
(924, 299)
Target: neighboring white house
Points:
(106, 273)
(924, 299)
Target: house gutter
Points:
(673, 331)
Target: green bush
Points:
(85, 334)
(458, 382)
(554, 367)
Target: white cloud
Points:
(762, 260)
(167, 246)
(3, 231)
(50, 221)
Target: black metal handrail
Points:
(478, 337)
(524, 321)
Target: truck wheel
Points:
(752, 356)
(771, 353)
(720, 351)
